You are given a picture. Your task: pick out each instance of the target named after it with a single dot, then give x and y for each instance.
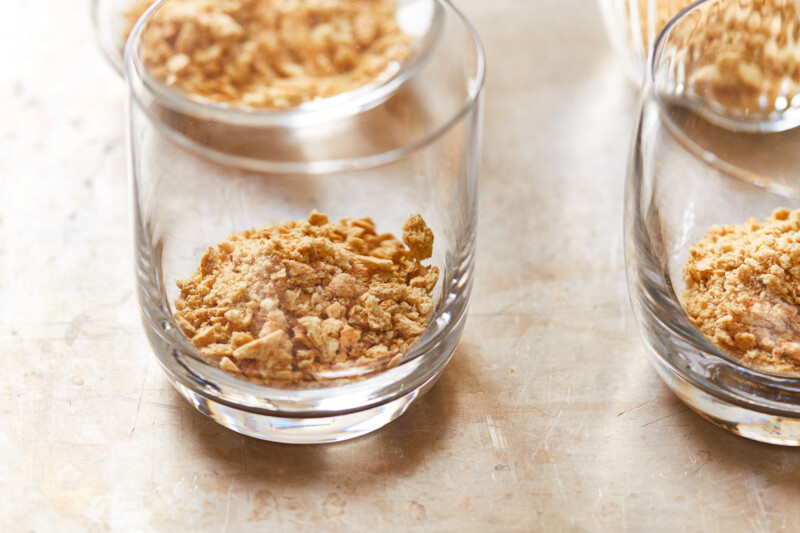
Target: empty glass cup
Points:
(691, 171)
(202, 170)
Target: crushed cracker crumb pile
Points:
(307, 300)
(743, 290)
(270, 53)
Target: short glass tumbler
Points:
(686, 174)
(201, 172)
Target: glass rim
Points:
(373, 94)
(707, 157)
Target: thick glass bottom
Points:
(317, 430)
(749, 423)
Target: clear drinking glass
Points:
(633, 25)
(202, 171)
(688, 172)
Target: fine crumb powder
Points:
(270, 53)
(310, 300)
(743, 290)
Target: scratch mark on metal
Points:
(153, 452)
(544, 441)
(498, 440)
(760, 517)
(667, 416)
(626, 411)
(246, 468)
(139, 401)
(561, 490)
(227, 508)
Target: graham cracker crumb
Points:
(296, 301)
(270, 53)
(418, 237)
(743, 290)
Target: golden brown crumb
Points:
(743, 290)
(418, 237)
(292, 302)
(270, 53)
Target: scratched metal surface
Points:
(549, 417)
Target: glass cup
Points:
(632, 27)
(203, 171)
(689, 172)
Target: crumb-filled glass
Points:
(712, 292)
(210, 175)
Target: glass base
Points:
(317, 430)
(762, 427)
